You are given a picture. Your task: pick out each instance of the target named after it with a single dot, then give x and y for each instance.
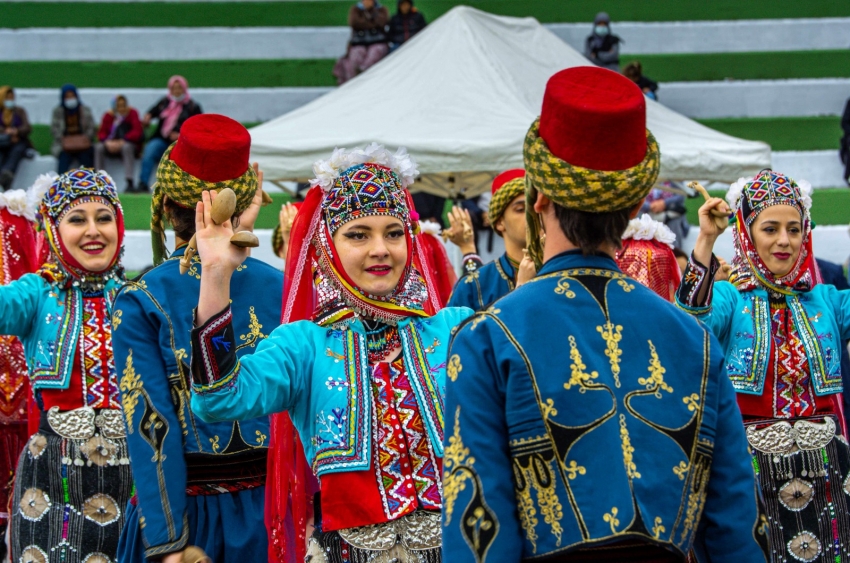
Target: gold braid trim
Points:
(581, 189)
(185, 190)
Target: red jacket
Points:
(133, 134)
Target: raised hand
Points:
(460, 230)
(213, 240)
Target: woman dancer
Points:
(73, 478)
(782, 334)
(362, 376)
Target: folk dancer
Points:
(577, 430)
(197, 483)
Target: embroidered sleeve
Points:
(214, 361)
(733, 526)
(694, 278)
(471, 263)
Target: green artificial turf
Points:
(830, 206)
(690, 67)
(784, 133)
(137, 211)
(318, 72)
(326, 13)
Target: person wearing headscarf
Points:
(602, 47)
(482, 285)
(781, 331)
(586, 419)
(171, 112)
(120, 136)
(20, 253)
(15, 131)
(646, 256)
(358, 365)
(197, 483)
(73, 479)
(73, 130)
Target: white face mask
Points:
(9, 104)
(72, 103)
(601, 30)
(179, 98)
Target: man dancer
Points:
(481, 285)
(197, 483)
(586, 419)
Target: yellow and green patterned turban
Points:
(503, 197)
(581, 189)
(185, 190)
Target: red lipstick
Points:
(379, 270)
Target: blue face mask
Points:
(9, 104)
(71, 103)
(601, 30)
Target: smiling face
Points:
(777, 234)
(90, 234)
(373, 251)
(176, 89)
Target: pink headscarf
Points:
(171, 114)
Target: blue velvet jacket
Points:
(48, 319)
(153, 319)
(480, 286)
(583, 410)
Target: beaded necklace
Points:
(381, 340)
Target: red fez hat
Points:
(506, 177)
(212, 148)
(594, 118)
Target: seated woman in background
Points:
(120, 135)
(72, 127)
(368, 44)
(171, 111)
(14, 136)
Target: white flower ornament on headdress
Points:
(327, 171)
(647, 228)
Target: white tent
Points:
(461, 96)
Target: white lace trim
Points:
(646, 228)
(327, 171)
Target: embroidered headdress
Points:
(647, 256)
(56, 196)
(350, 185)
(571, 155)
(210, 154)
(748, 198)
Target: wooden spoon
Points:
(186, 260)
(721, 215)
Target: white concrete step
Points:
(740, 99)
(823, 169)
(217, 43)
(247, 105)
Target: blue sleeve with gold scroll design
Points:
(574, 419)
(152, 321)
(479, 287)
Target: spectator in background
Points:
(73, 129)
(368, 44)
(669, 208)
(171, 111)
(845, 142)
(14, 136)
(603, 47)
(634, 72)
(121, 136)
(407, 22)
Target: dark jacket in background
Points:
(21, 122)
(189, 109)
(368, 26)
(405, 26)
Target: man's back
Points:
(584, 410)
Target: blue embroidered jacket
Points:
(320, 375)
(741, 322)
(48, 320)
(584, 410)
(152, 320)
(480, 286)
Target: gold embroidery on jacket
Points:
(255, 331)
(612, 334)
(628, 450)
(611, 518)
(655, 382)
(130, 386)
(578, 376)
(454, 367)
